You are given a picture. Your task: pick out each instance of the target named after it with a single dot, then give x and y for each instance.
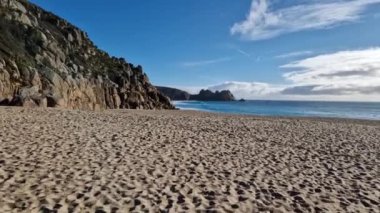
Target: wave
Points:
(354, 110)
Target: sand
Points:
(180, 161)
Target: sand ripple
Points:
(139, 161)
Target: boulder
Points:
(16, 5)
(28, 97)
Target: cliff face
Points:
(174, 94)
(204, 95)
(46, 61)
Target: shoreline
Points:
(310, 109)
(176, 160)
(200, 111)
(218, 114)
(317, 118)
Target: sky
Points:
(258, 49)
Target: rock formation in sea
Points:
(45, 61)
(204, 95)
(207, 95)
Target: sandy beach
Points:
(182, 161)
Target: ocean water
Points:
(357, 110)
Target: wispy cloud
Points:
(189, 89)
(263, 22)
(243, 52)
(377, 15)
(344, 75)
(295, 54)
(237, 49)
(205, 62)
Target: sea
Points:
(355, 110)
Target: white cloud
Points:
(346, 75)
(248, 89)
(295, 54)
(360, 67)
(263, 23)
(205, 62)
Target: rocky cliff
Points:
(204, 95)
(46, 61)
(174, 94)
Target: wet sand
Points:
(181, 161)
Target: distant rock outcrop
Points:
(45, 61)
(204, 95)
(207, 95)
(174, 94)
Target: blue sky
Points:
(260, 49)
